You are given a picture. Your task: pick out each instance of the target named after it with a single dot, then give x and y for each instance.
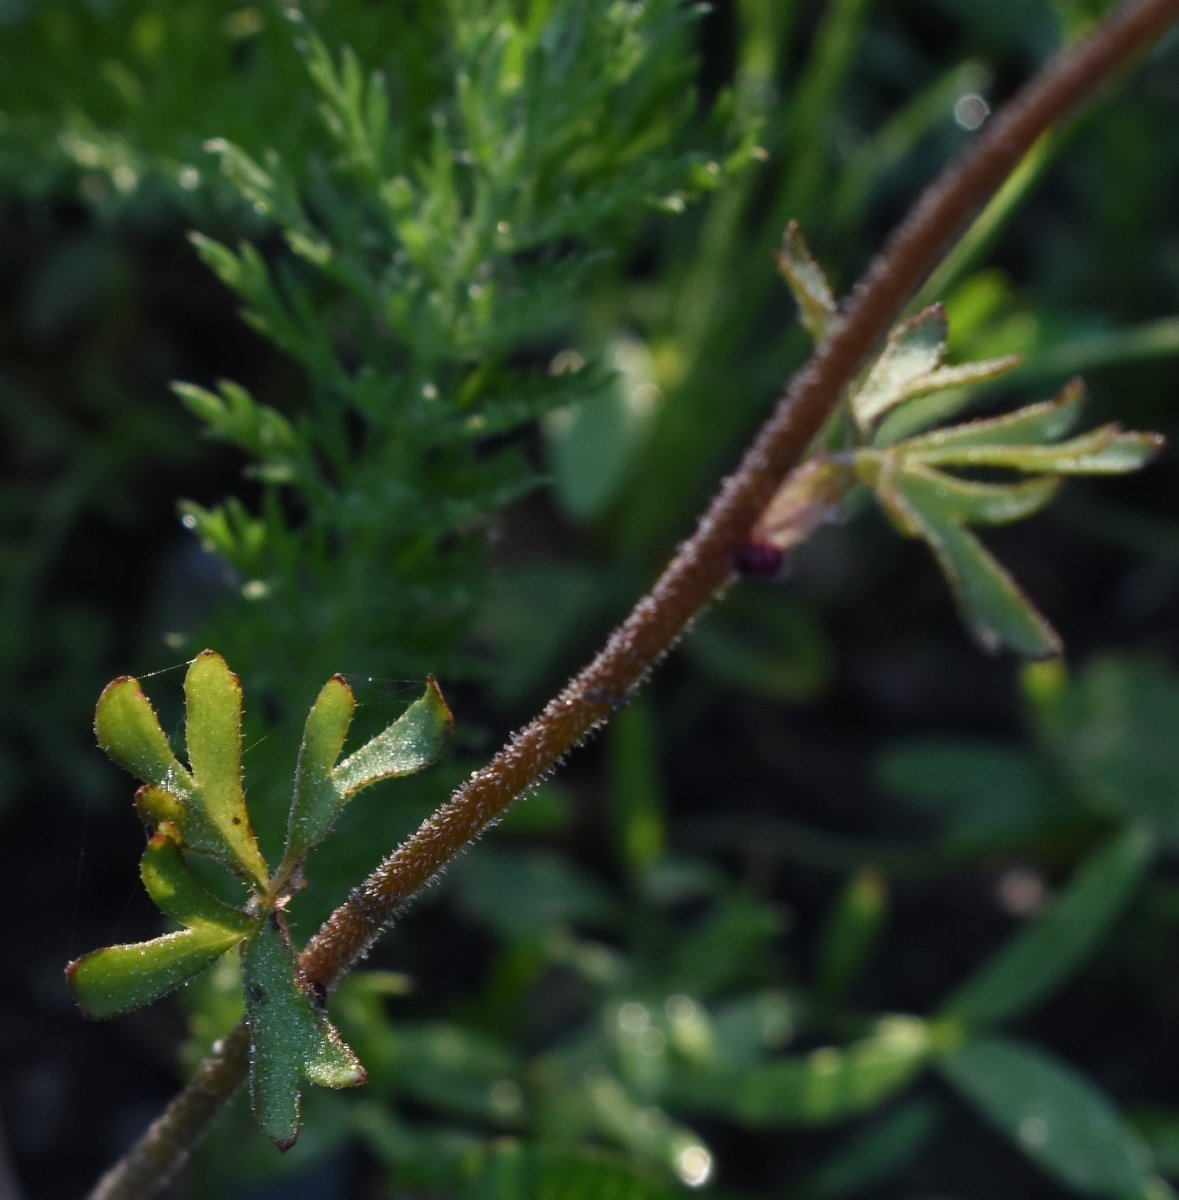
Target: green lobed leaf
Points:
(412, 742)
(826, 1085)
(967, 502)
(914, 348)
(910, 366)
(808, 283)
(992, 604)
(318, 798)
(117, 979)
(1104, 451)
(1037, 960)
(179, 894)
(1035, 423)
(950, 386)
(129, 731)
(216, 821)
(291, 1037)
(1056, 1116)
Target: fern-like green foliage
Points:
(431, 248)
(200, 809)
(1014, 463)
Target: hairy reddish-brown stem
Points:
(700, 570)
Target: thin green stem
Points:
(701, 569)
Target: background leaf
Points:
(1112, 732)
(1053, 1114)
(518, 1171)
(1042, 956)
(826, 1085)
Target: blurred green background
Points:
(827, 807)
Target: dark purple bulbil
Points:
(759, 559)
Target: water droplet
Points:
(566, 362)
(633, 1017)
(970, 111)
(1033, 1131)
(693, 1164)
(125, 178)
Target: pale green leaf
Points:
(412, 742)
(129, 731)
(1033, 424)
(938, 396)
(914, 348)
(816, 302)
(161, 810)
(1103, 451)
(910, 365)
(1056, 1116)
(318, 798)
(967, 502)
(118, 979)
(1042, 956)
(216, 821)
(179, 894)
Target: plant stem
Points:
(700, 571)
(702, 568)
